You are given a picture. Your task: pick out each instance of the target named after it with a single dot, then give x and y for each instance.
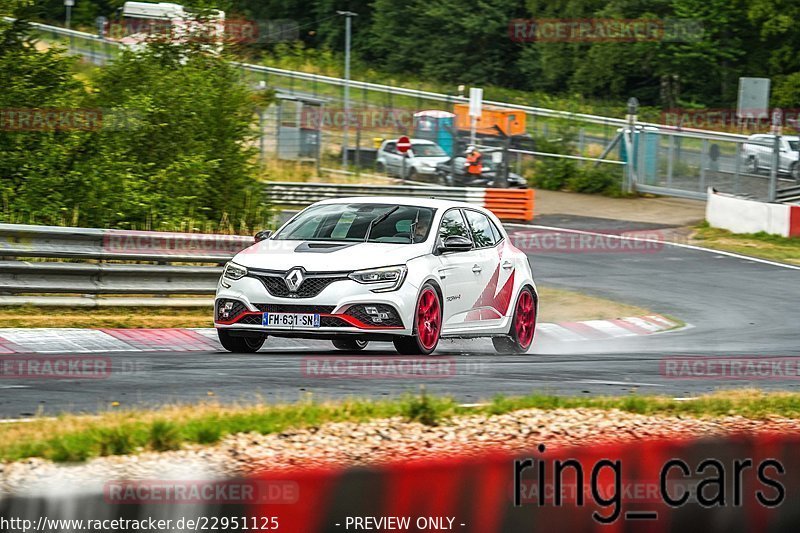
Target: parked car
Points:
(455, 173)
(420, 160)
(757, 154)
(405, 270)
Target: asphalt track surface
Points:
(735, 307)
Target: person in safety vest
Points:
(474, 161)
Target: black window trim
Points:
(500, 233)
(463, 219)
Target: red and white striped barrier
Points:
(749, 216)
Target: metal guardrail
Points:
(105, 278)
(18, 240)
(32, 282)
(789, 194)
(150, 284)
(302, 194)
(507, 204)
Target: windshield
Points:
(349, 222)
(428, 150)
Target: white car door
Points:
(392, 159)
(495, 281)
(456, 272)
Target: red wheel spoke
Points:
(428, 318)
(525, 319)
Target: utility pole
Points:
(347, 25)
(68, 4)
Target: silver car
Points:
(420, 160)
(757, 153)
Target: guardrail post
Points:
(773, 170)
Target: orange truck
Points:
(511, 122)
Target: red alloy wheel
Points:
(525, 319)
(428, 318)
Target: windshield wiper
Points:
(378, 219)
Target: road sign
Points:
(475, 101)
(753, 98)
(403, 144)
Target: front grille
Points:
(250, 320)
(332, 322)
(294, 308)
(223, 315)
(311, 286)
(359, 312)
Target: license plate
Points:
(290, 320)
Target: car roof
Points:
(771, 136)
(401, 200)
(413, 141)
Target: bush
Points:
(173, 150)
(603, 179)
(552, 173)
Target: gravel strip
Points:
(374, 442)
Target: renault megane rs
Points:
(405, 270)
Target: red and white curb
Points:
(107, 340)
(593, 330)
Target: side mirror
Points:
(263, 234)
(455, 243)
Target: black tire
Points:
(240, 344)
(380, 168)
(414, 344)
(351, 345)
(413, 175)
(794, 171)
(752, 165)
(511, 343)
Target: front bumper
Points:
(345, 306)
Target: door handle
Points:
(476, 269)
(507, 264)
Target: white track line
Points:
(680, 245)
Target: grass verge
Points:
(763, 245)
(77, 438)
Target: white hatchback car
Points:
(417, 163)
(353, 270)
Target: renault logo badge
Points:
(294, 279)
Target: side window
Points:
(453, 224)
(498, 236)
(391, 148)
(481, 227)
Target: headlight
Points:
(393, 274)
(234, 271)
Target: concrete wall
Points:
(749, 216)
